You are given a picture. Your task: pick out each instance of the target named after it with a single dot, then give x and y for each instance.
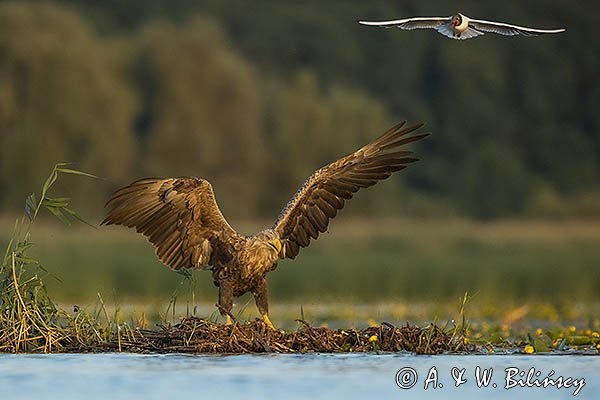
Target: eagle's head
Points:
(271, 239)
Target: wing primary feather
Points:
(388, 138)
(406, 140)
(167, 247)
(409, 23)
(309, 228)
(509, 29)
(331, 199)
(329, 210)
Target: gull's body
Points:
(460, 26)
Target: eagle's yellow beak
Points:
(276, 244)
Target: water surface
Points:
(354, 376)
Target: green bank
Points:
(357, 261)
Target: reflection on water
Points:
(115, 376)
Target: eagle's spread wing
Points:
(308, 213)
(507, 29)
(410, 23)
(179, 216)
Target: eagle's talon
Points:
(268, 322)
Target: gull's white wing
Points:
(507, 29)
(410, 23)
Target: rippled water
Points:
(356, 376)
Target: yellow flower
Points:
(598, 346)
(595, 334)
(572, 329)
(529, 349)
(373, 338)
(539, 331)
(588, 332)
(372, 322)
(466, 340)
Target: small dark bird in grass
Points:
(181, 218)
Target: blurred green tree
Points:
(200, 111)
(60, 100)
(313, 126)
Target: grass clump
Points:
(29, 320)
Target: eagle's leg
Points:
(261, 298)
(226, 299)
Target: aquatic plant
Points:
(29, 320)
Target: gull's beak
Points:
(276, 244)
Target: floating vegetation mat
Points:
(195, 335)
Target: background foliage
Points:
(254, 96)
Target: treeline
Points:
(256, 95)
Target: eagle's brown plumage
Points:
(181, 218)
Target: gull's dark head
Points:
(456, 20)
